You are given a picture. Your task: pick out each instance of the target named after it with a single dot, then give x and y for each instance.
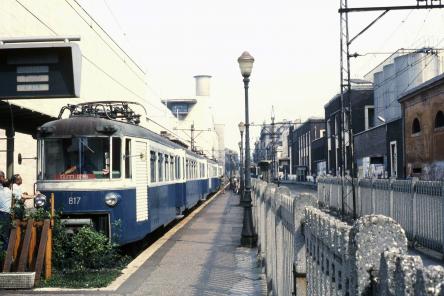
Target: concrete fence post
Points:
(414, 211)
(369, 237)
(391, 198)
(442, 213)
(358, 198)
(270, 234)
(300, 201)
(372, 194)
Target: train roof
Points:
(102, 127)
(99, 127)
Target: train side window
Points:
(128, 174)
(167, 167)
(183, 168)
(152, 166)
(116, 158)
(172, 168)
(191, 169)
(160, 166)
(178, 168)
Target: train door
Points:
(141, 179)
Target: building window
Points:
(369, 117)
(439, 119)
(416, 127)
(179, 108)
(417, 171)
(328, 128)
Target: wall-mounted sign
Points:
(40, 70)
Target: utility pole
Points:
(345, 83)
(193, 136)
(273, 150)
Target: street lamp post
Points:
(249, 238)
(241, 167)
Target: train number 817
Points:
(74, 200)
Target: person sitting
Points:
(70, 170)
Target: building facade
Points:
(379, 149)
(423, 126)
(361, 97)
(319, 156)
(272, 146)
(301, 139)
(195, 120)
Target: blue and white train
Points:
(107, 171)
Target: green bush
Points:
(86, 249)
(62, 249)
(40, 214)
(92, 250)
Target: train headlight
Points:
(40, 200)
(112, 198)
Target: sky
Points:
(295, 45)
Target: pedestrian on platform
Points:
(222, 181)
(22, 198)
(2, 177)
(5, 210)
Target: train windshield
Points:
(81, 158)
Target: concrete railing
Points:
(366, 258)
(278, 218)
(307, 251)
(417, 206)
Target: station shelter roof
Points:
(25, 120)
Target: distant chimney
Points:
(202, 85)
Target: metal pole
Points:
(340, 135)
(192, 137)
(241, 170)
(10, 152)
(249, 238)
(273, 176)
(10, 139)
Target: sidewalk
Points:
(310, 185)
(203, 258)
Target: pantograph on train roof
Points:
(113, 110)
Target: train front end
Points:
(85, 162)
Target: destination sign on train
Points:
(43, 70)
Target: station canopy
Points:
(25, 120)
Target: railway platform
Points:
(203, 257)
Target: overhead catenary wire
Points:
(128, 40)
(99, 35)
(97, 66)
